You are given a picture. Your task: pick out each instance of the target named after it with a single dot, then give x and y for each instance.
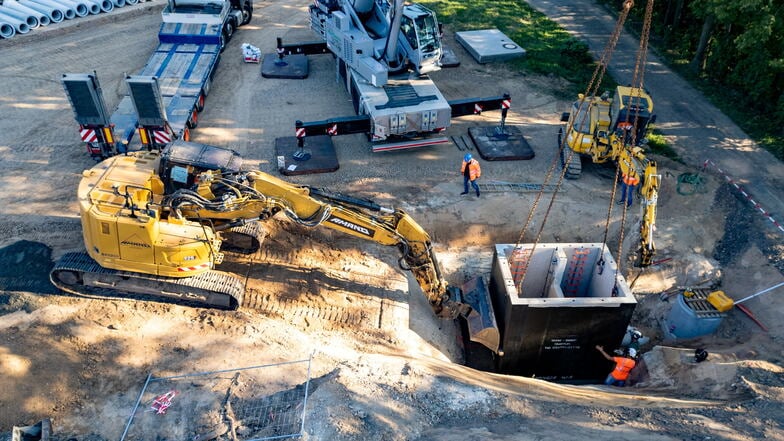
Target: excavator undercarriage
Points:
(79, 274)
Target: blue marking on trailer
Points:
(166, 60)
(194, 62)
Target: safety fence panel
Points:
(245, 404)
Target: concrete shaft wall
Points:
(553, 310)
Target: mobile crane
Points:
(156, 225)
(384, 52)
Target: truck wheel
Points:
(186, 134)
(223, 41)
(200, 102)
(247, 13)
(229, 30)
(193, 122)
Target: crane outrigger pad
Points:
(290, 67)
(323, 158)
(495, 144)
(482, 326)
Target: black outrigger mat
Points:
(321, 152)
(25, 266)
(493, 146)
(449, 58)
(292, 67)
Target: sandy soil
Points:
(381, 366)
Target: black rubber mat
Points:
(293, 67)
(25, 266)
(449, 58)
(321, 152)
(510, 145)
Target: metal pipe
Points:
(68, 12)
(20, 26)
(80, 8)
(31, 21)
(54, 14)
(7, 30)
(760, 293)
(43, 19)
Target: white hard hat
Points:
(632, 352)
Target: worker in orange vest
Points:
(623, 365)
(628, 184)
(471, 172)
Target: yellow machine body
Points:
(122, 223)
(720, 301)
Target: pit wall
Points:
(571, 299)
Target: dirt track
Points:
(383, 366)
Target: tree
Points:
(697, 61)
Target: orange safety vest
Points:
(623, 366)
(474, 171)
(630, 180)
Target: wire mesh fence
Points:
(245, 404)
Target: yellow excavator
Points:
(615, 129)
(156, 225)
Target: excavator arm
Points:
(633, 160)
(232, 198)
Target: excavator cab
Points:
(632, 104)
(421, 38)
(182, 162)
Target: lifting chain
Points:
(638, 85)
(593, 87)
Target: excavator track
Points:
(80, 275)
(570, 160)
(246, 239)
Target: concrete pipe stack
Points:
(22, 16)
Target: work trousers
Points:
(626, 193)
(466, 180)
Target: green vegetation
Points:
(658, 145)
(732, 51)
(550, 50)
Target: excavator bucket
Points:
(482, 326)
